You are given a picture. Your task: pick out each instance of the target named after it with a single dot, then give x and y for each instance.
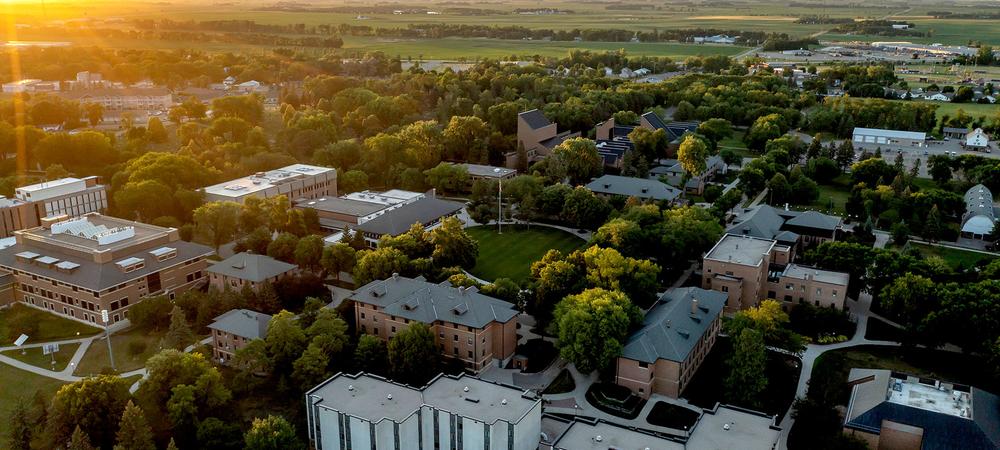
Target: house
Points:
(472, 328)
(676, 335)
(235, 328)
(538, 136)
(247, 270)
(980, 214)
(954, 133)
(751, 269)
(890, 410)
(873, 136)
(427, 211)
(939, 96)
(368, 412)
(79, 267)
(249, 87)
(295, 182)
(671, 172)
(641, 188)
(977, 140)
(609, 130)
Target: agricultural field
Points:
(943, 31)
(986, 111)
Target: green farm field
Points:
(509, 255)
(943, 31)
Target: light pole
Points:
(499, 173)
(107, 333)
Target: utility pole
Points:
(107, 334)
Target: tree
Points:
(155, 130)
(179, 334)
(371, 355)
(764, 129)
(78, 441)
(650, 145)
(352, 181)
(94, 113)
(447, 177)
(592, 327)
(379, 264)
(285, 341)
(714, 131)
(692, 156)
(312, 367)
(134, 432)
(747, 381)
(583, 209)
(910, 298)
(779, 189)
(94, 404)
(620, 234)
(338, 258)
(934, 226)
(283, 247)
(453, 246)
(55, 172)
(576, 159)
(216, 434)
(309, 252)
(219, 221)
(19, 429)
(271, 433)
(413, 355)
(180, 388)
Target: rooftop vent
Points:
(465, 389)
(388, 397)
(503, 402)
(598, 438)
(350, 387)
(460, 309)
(472, 399)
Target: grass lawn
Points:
(509, 255)
(561, 384)
(35, 356)
(669, 415)
(881, 331)
(956, 258)
(17, 384)
(48, 326)
(126, 346)
(832, 197)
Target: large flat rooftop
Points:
(483, 400)
(730, 428)
(930, 398)
(744, 250)
(94, 232)
(603, 436)
(812, 273)
(368, 397)
(265, 180)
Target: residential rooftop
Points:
(265, 180)
(243, 323)
(250, 267)
(744, 250)
(730, 427)
(673, 327)
(811, 273)
(417, 299)
(374, 398)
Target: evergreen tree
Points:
(80, 441)
(746, 381)
(133, 430)
(179, 334)
(172, 445)
(19, 428)
(934, 226)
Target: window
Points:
(725, 289)
(455, 338)
(819, 291)
(834, 293)
(643, 365)
(455, 351)
(470, 354)
(375, 331)
(789, 287)
(470, 340)
(394, 329)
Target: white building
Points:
(297, 181)
(977, 140)
(875, 136)
(30, 85)
(367, 412)
(980, 213)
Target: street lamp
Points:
(107, 331)
(499, 172)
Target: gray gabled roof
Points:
(250, 267)
(417, 299)
(761, 221)
(675, 325)
(398, 221)
(633, 187)
(535, 119)
(813, 219)
(243, 323)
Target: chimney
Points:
(694, 306)
(461, 290)
(395, 276)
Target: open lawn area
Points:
(509, 255)
(956, 258)
(17, 384)
(40, 326)
(36, 357)
(832, 197)
(131, 347)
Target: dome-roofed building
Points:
(980, 214)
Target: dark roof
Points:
(535, 119)
(417, 299)
(243, 323)
(768, 222)
(675, 325)
(613, 150)
(816, 220)
(674, 129)
(95, 276)
(346, 206)
(397, 221)
(941, 431)
(642, 188)
(955, 130)
(553, 141)
(250, 267)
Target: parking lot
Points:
(950, 147)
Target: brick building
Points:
(297, 181)
(232, 331)
(79, 267)
(66, 196)
(468, 326)
(246, 269)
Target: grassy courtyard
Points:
(36, 357)
(509, 255)
(131, 349)
(17, 384)
(956, 258)
(40, 326)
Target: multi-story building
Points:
(125, 99)
(538, 135)
(890, 410)
(427, 211)
(489, 173)
(801, 229)
(246, 269)
(676, 335)
(671, 172)
(81, 266)
(749, 269)
(367, 412)
(468, 326)
(67, 196)
(348, 211)
(609, 186)
(235, 328)
(30, 85)
(297, 181)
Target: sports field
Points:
(509, 255)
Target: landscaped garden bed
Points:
(615, 400)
